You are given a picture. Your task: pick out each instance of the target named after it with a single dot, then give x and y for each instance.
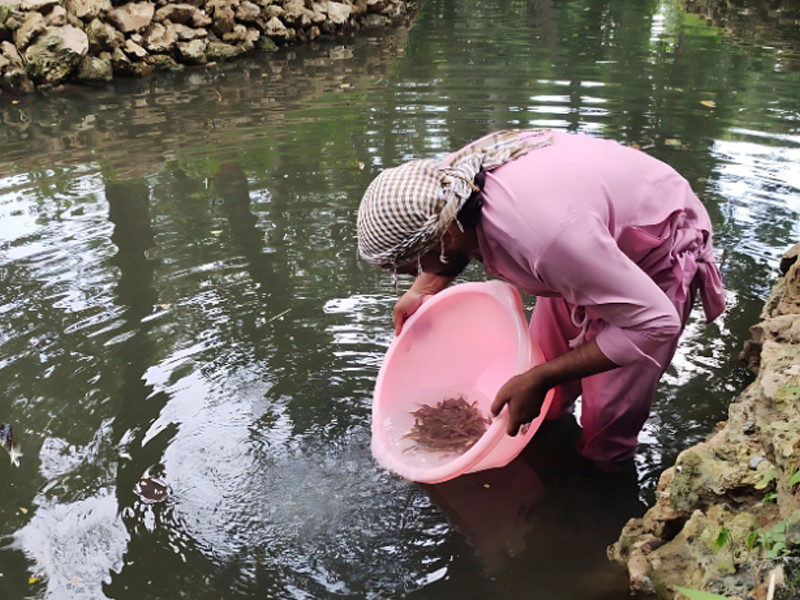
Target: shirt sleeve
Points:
(584, 265)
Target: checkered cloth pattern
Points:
(406, 210)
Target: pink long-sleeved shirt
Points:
(608, 228)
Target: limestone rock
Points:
(52, 57)
(296, 14)
(276, 29)
(103, 36)
(163, 62)
(33, 25)
(42, 6)
(223, 15)
(160, 38)
(134, 50)
(338, 13)
(9, 51)
(185, 33)
(221, 51)
(93, 69)
(185, 14)
(135, 16)
(737, 479)
(16, 81)
(193, 52)
(87, 9)
(249, 12)
(57, 16)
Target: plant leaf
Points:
(795, 479)
(766, 480)
(723, 537)
(699, 595)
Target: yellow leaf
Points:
(708, 103)
(33, 579)
(23, 510)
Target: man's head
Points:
(409, 211)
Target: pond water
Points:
(180, 296)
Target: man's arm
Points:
(524, 394)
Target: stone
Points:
(164, 62)
(273, 10)
(223, 16)
(134, 50)
(131, 17)
(237, 35)
(265, 44)
(33, 25)
(338, 13)
(192, 52)
(296, 14)
(93, 69)
(10, 52)
(42, 6)
(185, 33)
(123, 65)
(249, 12)
(57, 16)
(276, 29)
(221, 51)
(103, 36)
(16, 81)
(160, 38)
(185, 14)
(87, 10)
(55, 53)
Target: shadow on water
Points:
(548, 513)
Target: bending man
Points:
(614, 244)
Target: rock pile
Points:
(48, 42)
(727, 515)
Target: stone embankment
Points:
(727, 514)
(49, 42)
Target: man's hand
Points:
(524, 394)
(424, 286)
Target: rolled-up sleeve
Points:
(583, 264)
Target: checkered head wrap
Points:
(406, 210)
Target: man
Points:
(612, 242)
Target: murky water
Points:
(179, 292)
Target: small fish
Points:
(7, 437)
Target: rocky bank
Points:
(727, 514)
(49, 42)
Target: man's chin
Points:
(453, 267)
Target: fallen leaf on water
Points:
(672, 142)
(23, 510)
(32, 579)
(708, 103)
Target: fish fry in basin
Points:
(452, 426)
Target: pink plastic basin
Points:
(465, 341)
